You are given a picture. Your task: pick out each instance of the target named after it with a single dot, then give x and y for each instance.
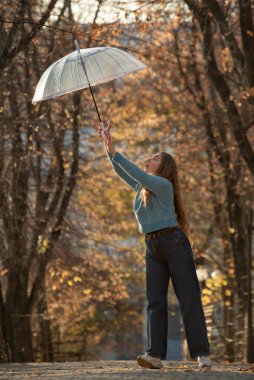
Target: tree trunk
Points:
(4, 352)
(45, 330)
(18, 317)
(250, 332)
(240, 330)
(229, 328)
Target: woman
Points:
(161, 218)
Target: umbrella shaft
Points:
(98, 113)
(84, 68)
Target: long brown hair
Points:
(168, 169)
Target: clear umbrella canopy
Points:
(100, 64)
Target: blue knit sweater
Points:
(160, 211)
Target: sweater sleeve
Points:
(151, 182)
(122, 173)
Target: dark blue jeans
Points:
(168, 257)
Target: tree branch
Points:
(247, 32)
(7, 55)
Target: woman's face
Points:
(153, 163)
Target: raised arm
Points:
(138, 176)
(151, 182)
(122, 173)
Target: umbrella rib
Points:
(91, 68)
(115, 61)
(86, 61)
(77, 58)
(61, 75)
(131, 57)
(73, 77)
(123, 53)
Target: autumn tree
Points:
(38, 162)
(202, 112)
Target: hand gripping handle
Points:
(102, 131)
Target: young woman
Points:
(160, 215)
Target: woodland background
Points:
(71, 257)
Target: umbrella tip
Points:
(76, 43)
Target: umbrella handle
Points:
(102, 131)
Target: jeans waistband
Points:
(164, 231)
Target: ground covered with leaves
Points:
(123, 370)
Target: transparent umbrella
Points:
(85, 68)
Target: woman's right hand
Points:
(108, 141)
